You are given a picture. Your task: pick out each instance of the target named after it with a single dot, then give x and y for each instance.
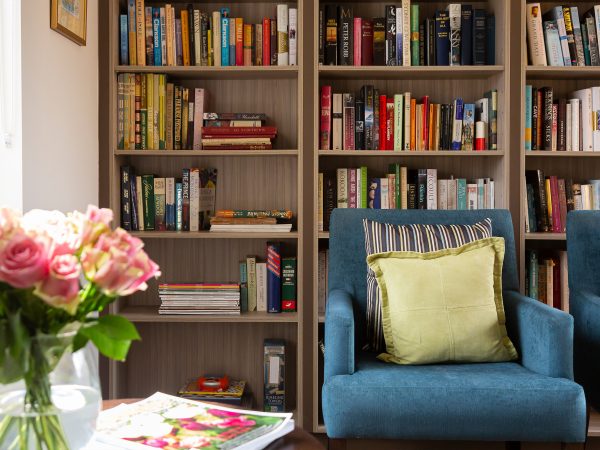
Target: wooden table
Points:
(296, 440)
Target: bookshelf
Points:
(175, 348)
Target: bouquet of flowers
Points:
(55, 270)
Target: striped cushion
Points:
(385, 237)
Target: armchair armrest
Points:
(339, 334)
(543, 335)
(585, 307)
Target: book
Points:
(126, 203)
(379, 35)
(325, 121)
(454, 22)
(367, 43)
(261, 287)
(479, 37)
(390, 35)
(159, 204)
(346, 36)
(273, 277)
(252, 293)
(274, 381)
(148, 202)
(442, 42)
(535, 36)
(282, 35)
(466, 41)
(288, 284)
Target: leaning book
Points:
(171, 423)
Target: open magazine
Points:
(167, 422)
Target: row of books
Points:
(458, 35)
(371, 120)
(269, 286)
(171, 35)
(561, 37)
(150, 202)
(569, 124)
(248, 221)
(550, 198)
(199, 298)
(546, 278)
(401, 188)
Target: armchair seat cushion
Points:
(491, 401)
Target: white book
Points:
(194, 199)
(585, 119)
(482, 115)
(575, 131)
(594, 119)
(385, 194)
(342, 188)
(407, 120)
(535, 35)
(442, 193)
(197, 40)
(293, 36)
(569, 129)
(251, 270)
(282, 35)
(452, 192)
(406, 33)
(562, 33)
(492, 195)
(261, 287)
(432, 200)
(337, 119)
(471, 196)
(320, 209)
(199, 108)
(587, 197)
(398, 121)
(216, 24)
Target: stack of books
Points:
(237, 131)
(457, 35)
(550, 198)
(231, 396)
(258, 221)
(180, 35)
(200, 298)
(372, 120)
(561, 37)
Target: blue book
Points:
(528, 111)
(556, 14)
(461, 194)
(457, 125)
(531, 209)
(156, 36)
(466, 31)
(224, 36)
(178, 206)
(442, 38)
(273, 278)
(480, 194)
(552, 40)
(374, 200)
(124, 54)
(399, 41)
(595, 194)
(468, 125)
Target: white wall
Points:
(60, 112)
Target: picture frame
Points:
(69, 18)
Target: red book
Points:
(556, 225)
(367, 43)
(556, 298)
(325, 123)
(389, 136)
(425, 122)
(357, 38)
(382, 121)
(266, 29)
(239, 41)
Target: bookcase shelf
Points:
(182, 153)
(550, 154)
(412, 154)
(561, 73)
(546, 236)
(217, 73)
(150, 314)
(409, 72)
(213, 235)
(323, 235)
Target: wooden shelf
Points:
(545, 236)
(212, 235)
(413, 154)
(183, 153)
(561, 73)
(218, 73)
(409, 72)
(323, 234)
(594, 426)
(150, 314)
(550, 154)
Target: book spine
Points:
(548, 97)
(535, 35)
(369, 116)
(251, 268)
(399, 37)
(337, 122)
(325, 121)
(266, 41)
(390, 35)
(398, 121)
(261, 287)
(148, 198)
(431, 192)
(322, 34)
(406, 56)
(126, 198)
(422, 52)
(224, 39)
(258, 60)
(390, 122)
(493, 118)
(468, 126)
(194, 199)
(357, 41)
(479, 37)
(367, 43)
(349, 122)
(422, 189)
(124, 41)
(407, 121)
(457, 125)
(159, 204)
(282, 35)
(593, 40)
(342, 188)
(185, 185)
(179, 42)
(346, 36)
(359, 124)
(274, 60)
(185, 37)
(379, 41)
(288, 284)
(292, 36)
(247, 44)
(442, 38)
(414, 35)
(561, 141)
(352, 188)
(466, 43)
(140, 34)
(198, 113)
(454, 22)
(578, 36)
(243, 287)
(163, 36)
(570, 35)
(216, 40)
(552, 42)
(586, 44)
(149, 45)
(382, 121)
(273, 278)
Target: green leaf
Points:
(112, 335)
(79, 341)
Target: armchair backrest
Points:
(347, 255)
(583, 245)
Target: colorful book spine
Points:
(170, 214)
(224, 39)
(178, 206)
(273, 278)
(159, 204)
(528, 111)
(325, 118)
(288, 284)
(282, 35)
(148, 201)
(414, 35)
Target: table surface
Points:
(296, 440)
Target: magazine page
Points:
(168, 422)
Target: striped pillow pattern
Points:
(385, 237)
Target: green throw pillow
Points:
(445, 305)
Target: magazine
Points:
(168, 422)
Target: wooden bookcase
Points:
(580, 166)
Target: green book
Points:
(144, 128)
(288, 284)
(363, 187)
(461, 194)
(243, 287)
(148, 197)
(414, 35)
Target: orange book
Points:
(239, 41)
(413, 112)
(431, 128)
(425, 123)
(247, 44)
(185, 37)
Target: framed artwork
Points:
(69, 18)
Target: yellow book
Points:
(549, 202)
(150, 111)
(156, 122)
(185, 37)
(162, 110)
(210, 47)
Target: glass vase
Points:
(56, 404)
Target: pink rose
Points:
(24, 260)
(9, 224)
(61, 288)
(55, 226)
(118, 264)
(94, 223)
